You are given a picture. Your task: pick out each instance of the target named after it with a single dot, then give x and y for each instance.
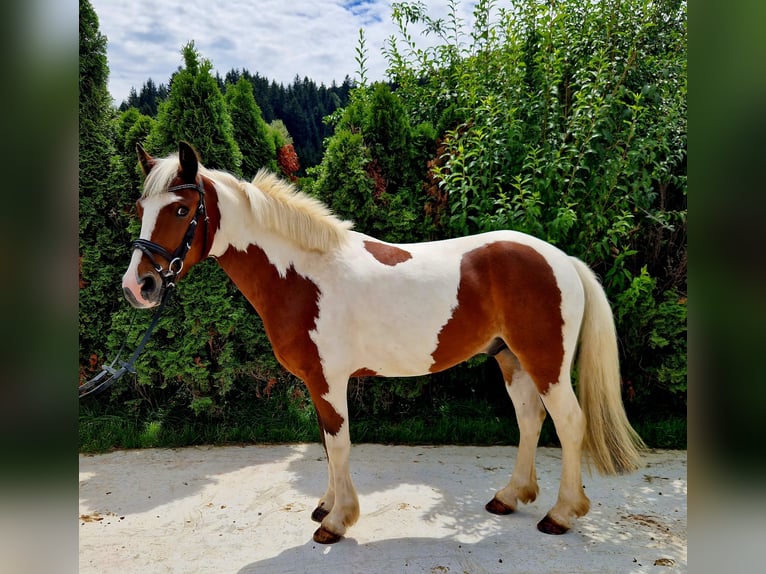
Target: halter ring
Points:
(177, 262)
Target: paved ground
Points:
(245, 510)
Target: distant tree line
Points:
(302, 106)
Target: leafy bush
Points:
(103, 199)
(566, 121)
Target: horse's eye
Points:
(182, 211)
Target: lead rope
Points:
(109, 375)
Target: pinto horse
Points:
(337, 304)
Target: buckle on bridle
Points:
(176, 265)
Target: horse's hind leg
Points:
(530, 415)
(561, 403)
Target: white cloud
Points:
(278, 39)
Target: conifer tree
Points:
(103, 197)
(132, 127)
(388, 133)
(196, 112)
(343, 181)
(250, 131)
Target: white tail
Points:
(614, 447)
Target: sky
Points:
(278, 39)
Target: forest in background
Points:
(301, 106)
(567, 122)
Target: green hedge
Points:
(565, 120)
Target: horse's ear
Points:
(147, 161)
(189, 159)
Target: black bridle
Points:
(176, 259)
(109, 374)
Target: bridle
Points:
(109, 374)
(176, 259)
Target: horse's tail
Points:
(614, 447)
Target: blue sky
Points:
(279, 39)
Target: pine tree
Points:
(104, 197)
(148, 100)
(343, 181)
(195, 111)
(132, 127)
(388, 133)
(250, 131)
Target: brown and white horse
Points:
(337, 304)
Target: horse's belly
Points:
(393, 360)
(390, 333)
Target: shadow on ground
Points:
(247, 509)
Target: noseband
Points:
(176, 259)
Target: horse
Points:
(337, 304)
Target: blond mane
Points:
(275, 204)
(293, 214)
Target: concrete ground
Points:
(245, 510)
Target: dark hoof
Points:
(324, 536)
(550, 526)
(494, 506)
(319, 513)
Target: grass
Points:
(669, 432)
(280, 420)
(102, 433)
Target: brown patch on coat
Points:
(506, 290)
(508, 363)
(364, 372)
(387, 254)
(289, 309)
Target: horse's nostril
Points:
(148, 285)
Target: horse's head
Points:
(174, 226)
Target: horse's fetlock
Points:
(528, 493)
(582, 507)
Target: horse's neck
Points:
(284, 299)
(236, 227)
(270, 270)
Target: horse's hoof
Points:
(494, 506)
(550, 526)
(324, 536)
(319, 513)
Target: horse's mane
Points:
(294, 214)
(274, 203)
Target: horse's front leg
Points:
(325, 503)
(338, 509)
